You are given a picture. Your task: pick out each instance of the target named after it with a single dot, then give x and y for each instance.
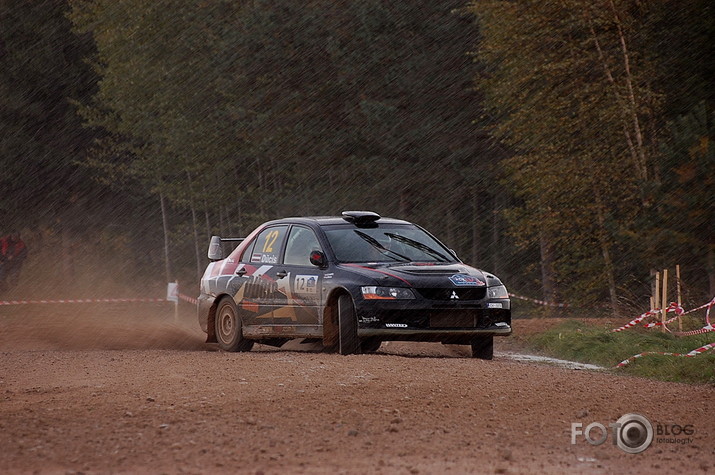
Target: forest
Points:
(566, 145)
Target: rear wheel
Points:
(370, 345)
(228, 327)
(483, 348)
(348, 342)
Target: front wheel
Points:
(348, 341)
(228, 327)
(483, 348)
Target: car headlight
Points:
(386, 293)
(498, 292)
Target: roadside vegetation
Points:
(567, 147)
(596, 344)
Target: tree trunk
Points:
(450, 228)
(494, 249)
(405, 204)
(476, 244)
(609, 268)
(194, 223)
(68, 247)
(195, 227)
(221, 224)
(711, 269)
(548, 272)
(239, 215)
(711, 242)
(207, 218)
(165, 223)
(629, 107)
(637, 129)
(263, 189)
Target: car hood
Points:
(424, 275)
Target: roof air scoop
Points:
(360, 217)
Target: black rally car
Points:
(353, 282)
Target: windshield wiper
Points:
(418, 245)
(376, 244)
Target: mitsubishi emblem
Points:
(454, 296)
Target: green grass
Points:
(587, 343)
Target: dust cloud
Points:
(97, 326)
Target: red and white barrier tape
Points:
(679, 312)
(660, 324)
(538, 302)
(183, 297)
(690, 354)
(186, 298)
(708, 305)
(27, 302)
(673, 307)
(707, 328)
(636, 320)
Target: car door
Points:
(300, 280)
(258, 294)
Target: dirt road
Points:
(125, 390)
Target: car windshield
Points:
(385, 243)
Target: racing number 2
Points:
(270, 241)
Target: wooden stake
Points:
(680, 301)
(656, 291)
(665, 299)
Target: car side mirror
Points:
(215, 250)
(318, 259)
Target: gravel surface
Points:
(128, 389)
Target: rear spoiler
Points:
(216, 249)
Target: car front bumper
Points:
(422, 320)
(433, 334)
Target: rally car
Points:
(352, 282)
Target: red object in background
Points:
(12, 247)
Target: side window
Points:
(266, 248)
(301, 242)
(246, 254)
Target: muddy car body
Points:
(351, 282)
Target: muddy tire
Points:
(483, 348)
(348, 341)
(228, 327)
(370, 345)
